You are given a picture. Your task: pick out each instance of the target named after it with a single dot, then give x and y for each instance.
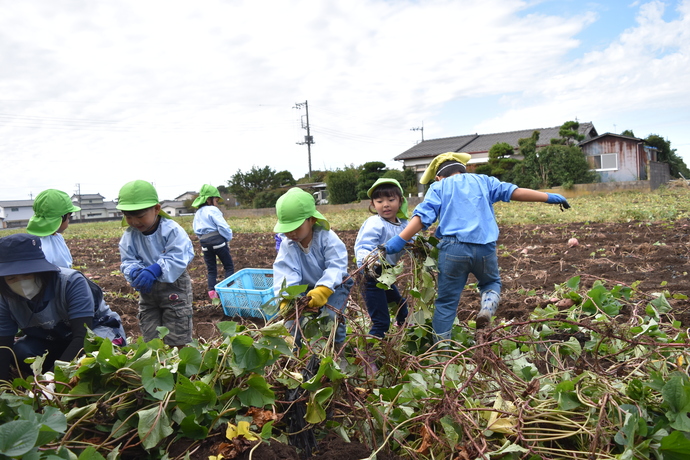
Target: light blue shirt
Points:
(169, 246)
(324, 264)
(463, 206)
(210, 219)
(56, 250)
(375, 231)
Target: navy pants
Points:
(378, 304)
(28, 347)
(222, 251)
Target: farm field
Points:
(601, 326)
(533, 259)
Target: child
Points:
(214, 234)
(391, 218)
(463, 205)
(52, 210)
(155, 251)
(311, 254)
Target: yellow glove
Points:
(319, 296)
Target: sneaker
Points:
(483, 319)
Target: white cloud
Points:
(100, 93)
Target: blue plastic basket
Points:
(245, 291)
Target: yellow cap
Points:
(430, 172)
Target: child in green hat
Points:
(155, 251)
(52, 211)
(311, 254)
(214, 235)
(390, 207)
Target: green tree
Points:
(342, 185)
(245, 186)
(628, 133)
(368, 174)
(668, 155)
(569, 134)
(407, 179)
(284, 179)
(267, 198)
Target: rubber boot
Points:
(490, 301)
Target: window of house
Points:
(14, 209)
(603, 162)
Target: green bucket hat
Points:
(402, 212)
(430, 173)
(138, 195)
(207, 191)
(49, 207)
(293, 208)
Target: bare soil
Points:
(533, 259)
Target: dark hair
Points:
(137, 211)
(448, 168)
(384, 190)
(5, 291)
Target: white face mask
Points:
(27, 288)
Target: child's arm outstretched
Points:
(395, 244)
(527, 194)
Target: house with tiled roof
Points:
(93, 207)
(615, 158)
(478, 145)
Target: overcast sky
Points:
(94, 94)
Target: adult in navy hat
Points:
(52, 307)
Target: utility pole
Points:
(419, 129)
(308, 139)
(79, 198)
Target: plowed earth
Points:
(533, 259)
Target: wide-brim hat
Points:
(21, 254)
(402, 212)
(293, 208)
(207, 191)
(49, 207)
(430, 172)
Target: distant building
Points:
(186, 196)
(174, 208)
(15, 213)
(612, 156)
(93, 206)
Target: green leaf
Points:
(189, 428)
(257, 393)
(154, 425)
(90, 453)
(17, 437)
(566, 396)
(675, 446)
(196, 395)
(315, 410)
(676, 395)
(190, 361)
(157, 385)
(246, 356)
(573, 283)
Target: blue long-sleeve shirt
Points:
(375, 231)
(323, 264)
(463, 206)
(169, 246)
(210, 219)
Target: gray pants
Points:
(169, 305)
